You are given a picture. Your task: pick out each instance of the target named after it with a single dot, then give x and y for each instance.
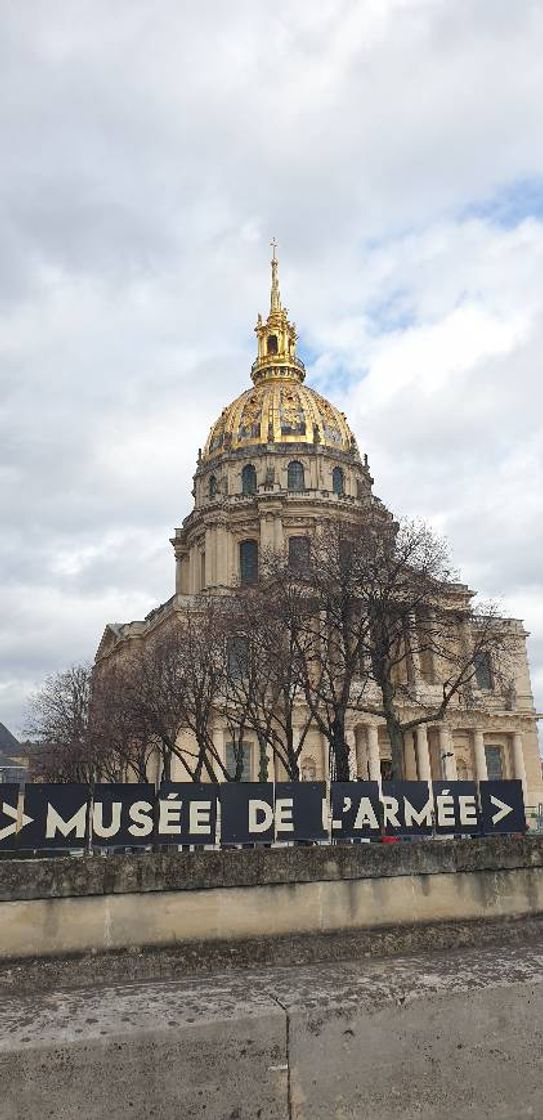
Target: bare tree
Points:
(174, 687)
(263, 688)
(58, 722)
(123, 743)
(389, 602)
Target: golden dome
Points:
(279, 409)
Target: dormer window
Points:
(272, 344)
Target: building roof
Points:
(9, 745)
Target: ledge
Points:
(144, 872)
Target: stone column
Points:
(266, 532)
(374, 762)
(446, 751)
(194, 556)
(350, 743)
(222, 556)
(361, 753)
(209, 573)
(423, 754)
(410, 757)
(481, 771)
(278, 535)
(518, 762)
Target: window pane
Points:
(298, 553)
(494, 763)
(483, 674)
(248, 479)
(239, 756)
(296, 476)
(237, 652)
(248, 561)
(337, 480)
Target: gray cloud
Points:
(149, 152)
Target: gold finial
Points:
(275, 302)
(276, 338)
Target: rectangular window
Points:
(483, 671)
(237, 654)
(298, 554)
(239, 755)
(494, 763)
(248, 561)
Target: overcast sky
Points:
(150, 149)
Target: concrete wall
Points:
(55, 907)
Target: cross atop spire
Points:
(275, 301)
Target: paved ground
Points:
(452, 1034)
(205, 958)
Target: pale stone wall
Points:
(57, 907)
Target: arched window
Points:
(338, 482)
(248, 479)
(272, 344)
(462, 771)
(295, 476)
(298, 554)
(213, 487)
(248, 561)
(309, 769)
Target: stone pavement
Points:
(434, 1036)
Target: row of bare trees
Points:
(366, 619)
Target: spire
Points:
(276, 338)
(275, 301)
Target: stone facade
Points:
(278, 461)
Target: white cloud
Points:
(393, 147)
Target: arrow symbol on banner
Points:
(503, 809)
(11, 811)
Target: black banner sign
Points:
(58, 816)
(247, 815)
(300, 811)
(357, 813)
(122, 815)
(187, 813)
(502, 806)
(456, 808)
(9, 798)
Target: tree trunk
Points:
(395, 732)
(339, 751)
(397, 749)
(263, 761)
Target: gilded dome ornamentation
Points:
(278, 412)
(279, 408)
